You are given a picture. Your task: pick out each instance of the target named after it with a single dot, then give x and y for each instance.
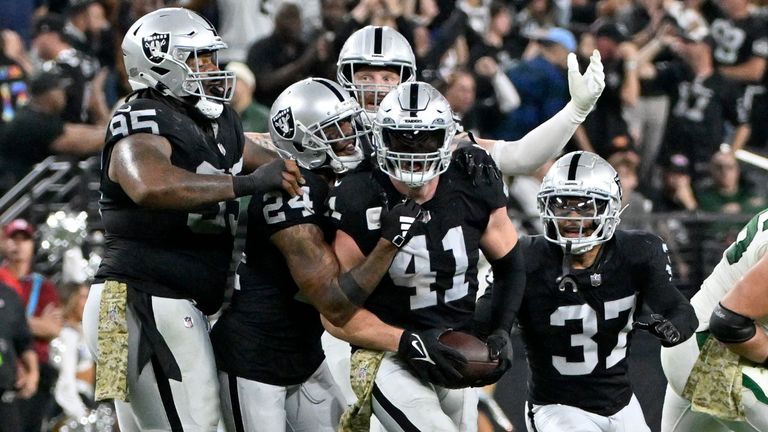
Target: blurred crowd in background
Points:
(685, 89)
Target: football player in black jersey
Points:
(431, 285)
(267, 342)
(585, 283)
(169, 181)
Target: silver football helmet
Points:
(157, 47)
(374, 46)
(580, 187)
(314, 119)
(412, 133)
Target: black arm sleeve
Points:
(661, 294)
(508, 288)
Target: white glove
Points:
(585, 89)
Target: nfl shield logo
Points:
(155, 45)
(283, 123)
(188, 322)
(596, 279)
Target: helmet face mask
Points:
(580, 202)
(215, 85)
(174, 51)
(412, 132)
(375, 48)
(317, 123)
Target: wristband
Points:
(352, 289)
(243, 185)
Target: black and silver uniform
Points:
(739, 40)
(268, 334)
(172, 253)
(432, 281)
(577, 337)
(701, 112)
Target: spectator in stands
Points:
(37, 131)
(497, 51)
(741, 53)
(370, 12)
(500, 40)
(44, 316)
(285, 57)
(606, 128)
(459, 90)
(729, 193)
(541, 83)
(441, 50)
(77, 372)
(647, 118)
(707, 108)
(537, 15)
(253, 114)
(89, 31)
(15, 347)
(85, 100)
(677, 191)
(13, 77)
(496, 95)
(332, 13)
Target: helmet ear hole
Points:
(158, 70)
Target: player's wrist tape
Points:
(728, 326)
(243, 185)
(352, 289)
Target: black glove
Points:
(274, 175)
(479, 172)
(499, 348)
(399, 222)
(430, 360)
(662, 328)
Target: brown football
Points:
(479, 363)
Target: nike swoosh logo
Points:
(417, 346)
(124, 109)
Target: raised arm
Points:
(548, 139)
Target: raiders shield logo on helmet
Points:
(283, 123)
(155, 45)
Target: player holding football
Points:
(432, 282)
(267, 342)
(585, 283)
(721, 386)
